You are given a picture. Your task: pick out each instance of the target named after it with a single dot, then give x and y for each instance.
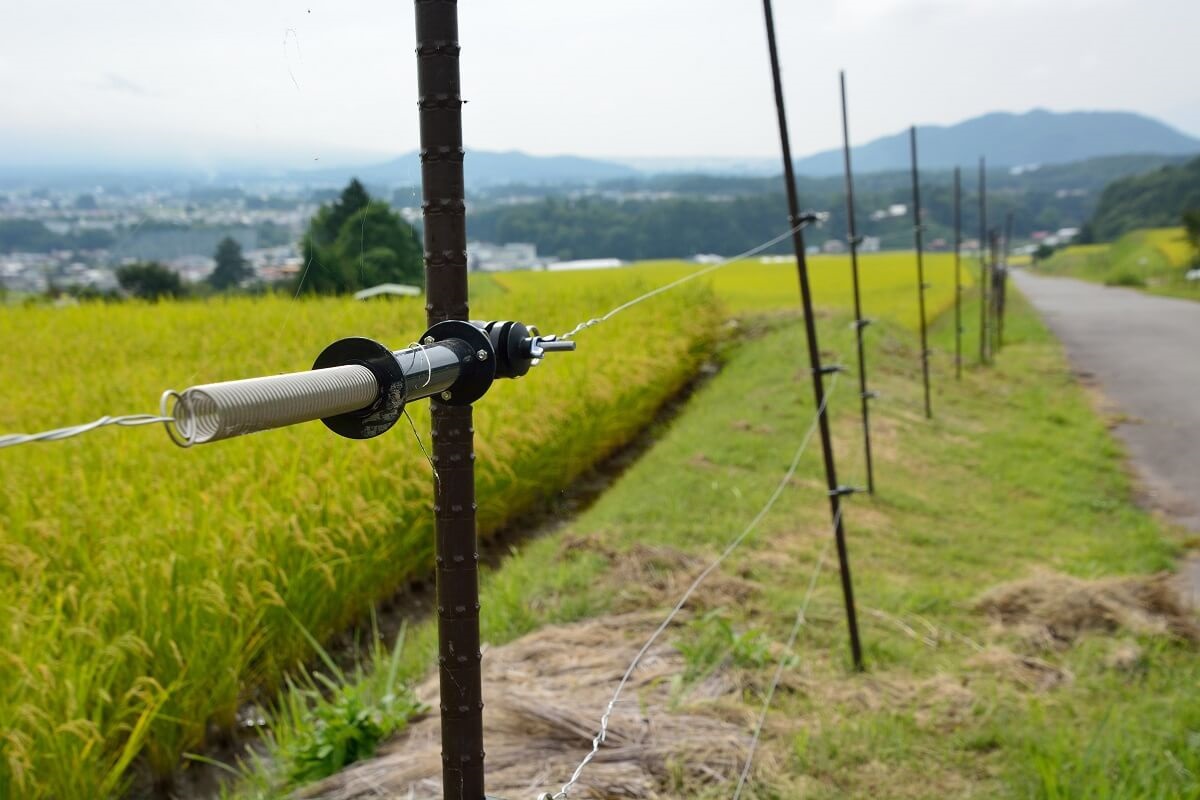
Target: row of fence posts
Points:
(444, 215)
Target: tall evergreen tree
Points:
(356, 242)
(232, 267)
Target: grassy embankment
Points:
(1155, 260)
(149, 592)
(1015, 475)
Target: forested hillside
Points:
(1155, 199)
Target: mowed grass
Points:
(1015, 474)
(148, 592)
(1155, 259)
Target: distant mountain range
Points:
(1036, 137)
(1010, 140)
(486, 168)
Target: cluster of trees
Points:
(1151, 200)
(724, 214)
(31, 236)
(662, 228)
(150, 280)
(352, 243)
(356, 242)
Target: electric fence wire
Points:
(801, 619)
(753, 251)
(602, 735)
(58, 434)
(10, 440)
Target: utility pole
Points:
(444, 212)
(860, 324)
(983, 265)
(921, 285)
(958, 326)
(814, 354)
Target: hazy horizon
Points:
(291, 85)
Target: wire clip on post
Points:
(359, 387)
(806, 218)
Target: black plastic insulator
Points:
(380, 416)
(477, 359)
(511, 341)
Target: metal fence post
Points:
(997, 278)
(814, 354)
(958, 326)
(983, 263)
(859, 323)
(444, 212)
(921, 285)
(1003, 297)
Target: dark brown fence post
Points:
(1003, 297)
(918, 238)
(859, 323)
(444, 210)
(814, 353)
(983, 263)
(958, 326)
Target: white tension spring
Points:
(216, 411)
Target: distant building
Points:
(833, 246)
(388, 290)
(897, 210)
(192, 269)
(586, 263)
(870, 244)
(488, 257)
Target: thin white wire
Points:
(733, 545)
(690, 277)
(801, 619)
(13, 439)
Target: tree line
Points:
(353, 242)
(1156, 199)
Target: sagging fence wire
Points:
(602, 734)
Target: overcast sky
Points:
(285, 83)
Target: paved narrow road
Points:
(1143, 352)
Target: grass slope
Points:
(1154, 259)
(1016, 473)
